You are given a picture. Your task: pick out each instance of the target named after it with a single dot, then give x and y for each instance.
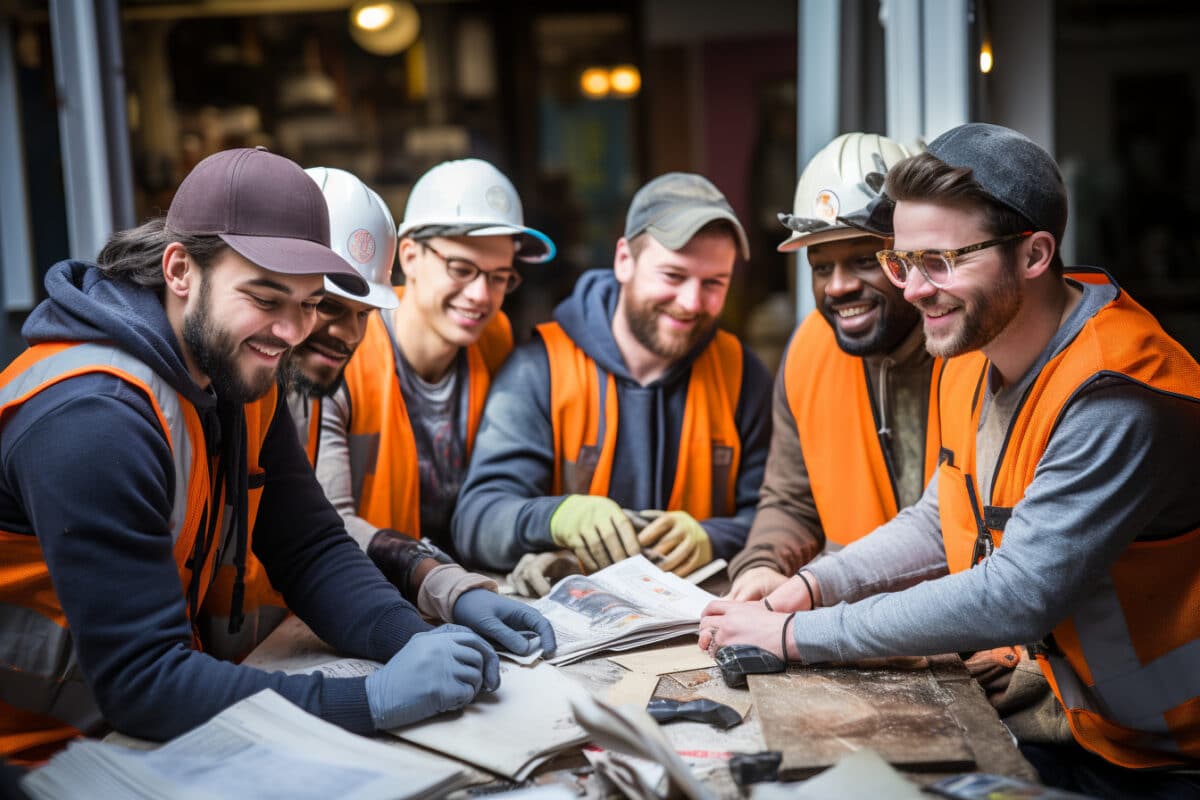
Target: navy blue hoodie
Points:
(504, 508)
(84, 465)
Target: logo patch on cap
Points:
(497, 198)
(361, 245)
(826, 206)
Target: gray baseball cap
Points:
(674, 206)
(1010, 168)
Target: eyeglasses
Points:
(936, 265)
(463, 271)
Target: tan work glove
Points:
(535, 573)
(677, 539)
(595, 528)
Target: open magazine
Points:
(625, 605)
(263, 747)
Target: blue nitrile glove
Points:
(502, 620)
(438, 670)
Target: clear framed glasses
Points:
(936, 265)
(464, 271)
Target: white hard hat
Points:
(841, 179)
(471, 197)
(361, 231)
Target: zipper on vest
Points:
(984, 544)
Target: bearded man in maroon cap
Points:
(143, 442)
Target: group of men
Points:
(224, 420)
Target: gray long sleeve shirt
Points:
(1120, 466)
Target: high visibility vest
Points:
(585, 422)
(44, 699)
(385, 481)
(829, 395)
(1126, 665)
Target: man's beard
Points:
(983, 319)
(215, 352)
(297, 381)
(895, 323)
(642, 319)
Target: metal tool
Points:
(739, 660)
(703, 710)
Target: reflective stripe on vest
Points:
(848, 466)
(384, 479)
(585, 422)
(1129, 671)
(38, 671)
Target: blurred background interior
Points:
(106, 105)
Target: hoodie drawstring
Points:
(239, 492)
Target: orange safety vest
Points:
(44, 699)
(585, 425)
(829, 395)
(1125, 666)
(385, 482)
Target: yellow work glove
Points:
(677, 539)
(595, 528)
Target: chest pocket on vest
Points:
(722, 466)
(577, 475)
(958, 514)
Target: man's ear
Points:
(179, 271)
(1041, 254)
(410, 249)
(623, 261)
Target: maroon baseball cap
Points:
(267, 209)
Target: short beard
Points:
(214, 352)
(643, 324)
(295, 380)
(987, 319)
(893, 328)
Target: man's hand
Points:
(676, 538)
(505, 622)
(535, 573)
(755, 584)
(723, 622)
(794, 594)
(436, 671)
(595, 528)
(994, 669)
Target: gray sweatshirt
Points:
(1120, 466)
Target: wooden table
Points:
(707, 749)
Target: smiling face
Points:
(867, 313)
(984, 294)
(670, 299)
(454, 311)
(317, 363)
(240, 321)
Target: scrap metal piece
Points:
(748, 768)
(739, 660)
(703, 710)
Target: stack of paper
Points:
(512, 731)
(263, 748)
(623, 606)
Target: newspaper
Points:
(625, 605)
(263, 747)
(508, 732)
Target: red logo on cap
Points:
(361, 245)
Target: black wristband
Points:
(812, 597)
(783, 636)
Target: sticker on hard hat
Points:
(826, 206)
(361, 246)
(497, 198)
